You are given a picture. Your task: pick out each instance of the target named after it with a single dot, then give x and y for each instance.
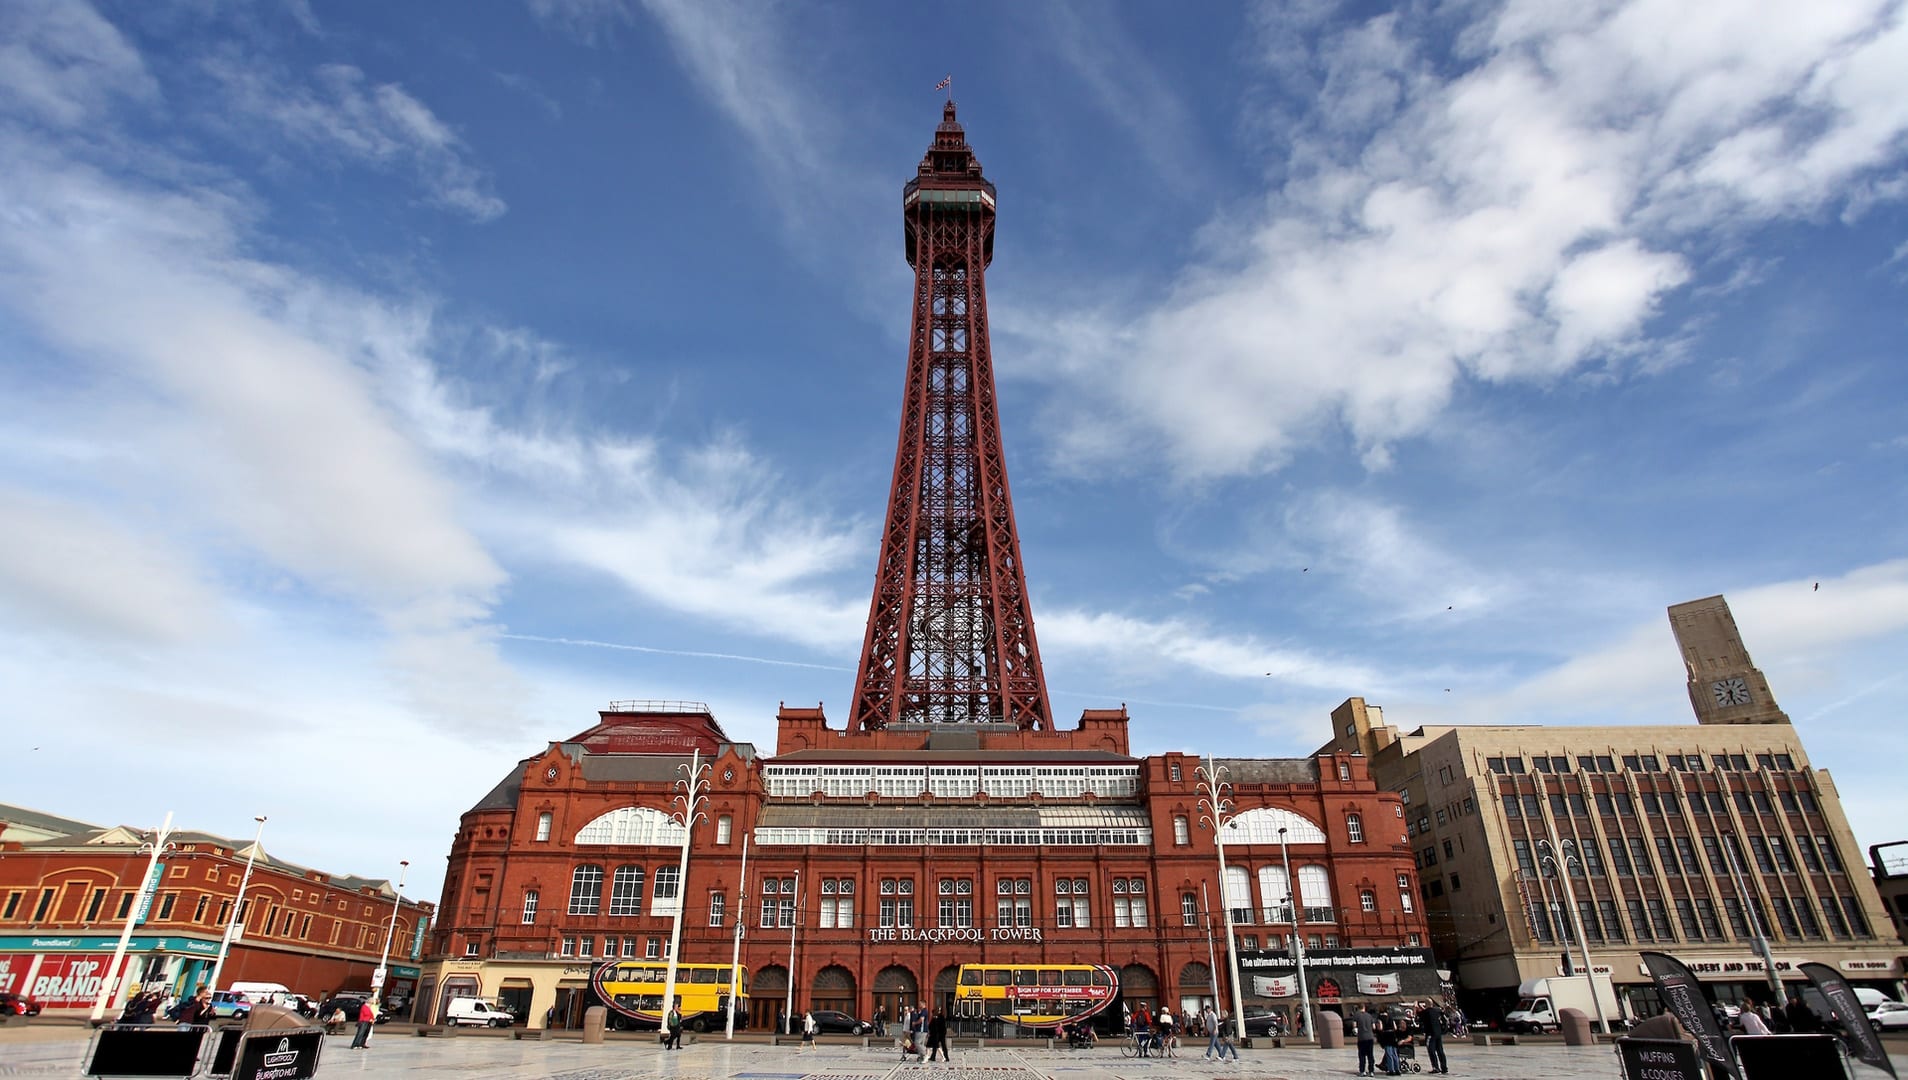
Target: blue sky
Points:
(385, 388)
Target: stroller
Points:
(1407, 1048)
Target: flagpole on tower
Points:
(947, 84)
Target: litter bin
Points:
(594, 1018)
(1576, 1027)
(1330, 1028)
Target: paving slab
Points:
(60, 1053)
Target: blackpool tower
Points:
(950, 635)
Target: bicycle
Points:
(1138, 1043)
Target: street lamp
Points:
(694, 786)
(1298, 941)
(735, 952)
(794, 917)
(1752, 915)
(1548, 852)
(377, 987)
(1215, 802)
(158, 845)
(238, 904)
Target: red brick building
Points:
(66, 889)
(892, 857)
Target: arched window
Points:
(1262, 825)
(1315, 893)
(586, 890)
(1239, 894)
(1275, 895)
(633, 826)
(626, 891)
(1367, 900)
(1355, 826)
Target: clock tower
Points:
(1725, 687)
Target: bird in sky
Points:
(1449, 607)
(1818, 587)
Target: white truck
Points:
(1541, 1002)
(476, 1012)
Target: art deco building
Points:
(1678, 837)
(67, 888)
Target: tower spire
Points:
(950, 635)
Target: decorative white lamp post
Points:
(238, 904)
(1215, 803)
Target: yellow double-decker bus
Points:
(632, 990)
(1035, 995)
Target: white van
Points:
(263, 993)
(476, 1012)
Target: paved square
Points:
(59, 1052)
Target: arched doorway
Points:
(457, 986)
(834, 988)
(768, 993)
(1139, 985)
(895, 990)
(1195, 990)
(944, 985)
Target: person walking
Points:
(1388, 1042)
(673, 1022)
(1365, 1027)
(367, 1016)
(196, 1009)
(808, 1028)
(1216, 1041)
(1434, 1021)
(881, 1022)
(918, 1030)
(937, 1036)
(1752, 1021)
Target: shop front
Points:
(64, 974)
(1337, 979)
(538, 992)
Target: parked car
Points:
(12, 1004)
(231, 1003)
(1889, 1016)
(476, 1012)
(829, 1021)
(1263, 1023)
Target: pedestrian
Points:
(1802, 1019)
(808, 1028)
(673, 1021)
(1215, 1043)
(367, 1016)
(1752, 1021)
(881, 1022)
(196, 1009)
(918, 1029)
(141, 1009)
(1168, 1034)
(1434, 1021)
(1143, 1029)
(1365, 1027)
(937, 1036)
(1388, 1042)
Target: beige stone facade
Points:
(1648, 820)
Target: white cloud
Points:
(68, 568)
(1514, 222)
(382, 125)
(62, 63)
(1143, 648)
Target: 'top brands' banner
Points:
(66, 982)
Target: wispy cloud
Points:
(1520, 221)
(341, 112)
(62, 63)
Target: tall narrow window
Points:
(718, 905)
(1238, 898)
(1188, 909)
(1355, 827)
(1182, 830)
(1315, 893)
(543, 825)
(529, 907)
(724, 824)
(626, 891)
(1367, 900)
(1275, 895)
(666, 896)
(586, 890)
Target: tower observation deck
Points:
(950, 635)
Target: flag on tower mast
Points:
(944, 83)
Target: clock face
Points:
(1730, 691)
(728, 775)
(550, 773)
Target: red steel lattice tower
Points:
(950, 635)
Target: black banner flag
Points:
(1684, 997)
(1848, 1009)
